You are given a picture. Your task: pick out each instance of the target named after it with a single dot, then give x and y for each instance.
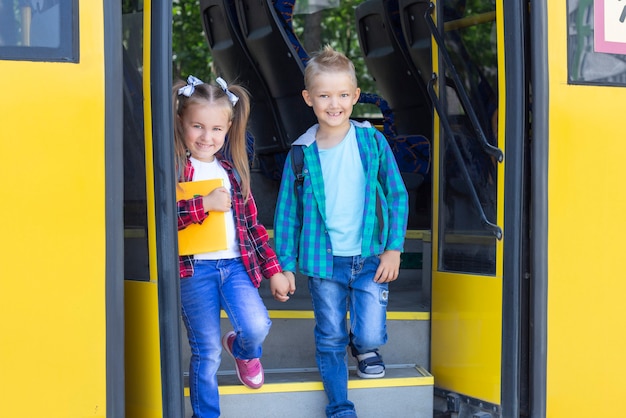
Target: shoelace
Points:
(252, 367)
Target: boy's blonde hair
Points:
(235, 147)
(328, 61)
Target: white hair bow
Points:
(231, 96)
(188, 90)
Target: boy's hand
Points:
(282, 285)
(389, 267)
(217, 201)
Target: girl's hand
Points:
(389, 267)
(217, 201)
(282, 285)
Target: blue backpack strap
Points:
(297, 165)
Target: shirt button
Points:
(328, 251)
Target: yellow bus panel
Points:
(466, 334)
(587, 226)
(52, 221)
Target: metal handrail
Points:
(463, 96)
(495, 229)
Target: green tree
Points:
(190, 51)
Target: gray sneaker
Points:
(370, 365)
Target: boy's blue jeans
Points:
(352, 287)
(215, 285)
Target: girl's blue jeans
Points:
(351, 288)
(215, 285)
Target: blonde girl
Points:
(210, 142)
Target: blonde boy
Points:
(344, 227)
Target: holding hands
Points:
(282, 285)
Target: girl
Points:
(226, 279)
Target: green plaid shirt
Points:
(300, 220)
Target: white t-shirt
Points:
(214, 170)
(344, 187)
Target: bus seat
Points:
(385, 55)
(285, 10)
(417, 35)
(278, 63)
(412, 154)
(412, 151)
(234, 63)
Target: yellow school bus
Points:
(514, 309)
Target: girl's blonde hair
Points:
(235, 149)
(327, 61)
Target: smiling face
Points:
(205, 126)
(332, 95)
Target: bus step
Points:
(406, 391)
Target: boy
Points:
(345, 226)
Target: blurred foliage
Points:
(190, 51)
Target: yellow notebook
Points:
(208, 236)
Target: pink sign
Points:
(609, 26)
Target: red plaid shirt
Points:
(257, 256)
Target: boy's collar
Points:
(308, 137)
(364, 124)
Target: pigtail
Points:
(236, 144)
(180, 151)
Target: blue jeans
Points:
(352, 287)
(215, 285)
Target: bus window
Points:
(469, 174)
(136, 265)
(39, 30)
(596, 42)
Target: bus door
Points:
(476, 263)
(154, 378)
(61, 289)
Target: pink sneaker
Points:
(249, 372)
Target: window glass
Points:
(39, 30)
(136, 265)
(596, 42)
(468, 174)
